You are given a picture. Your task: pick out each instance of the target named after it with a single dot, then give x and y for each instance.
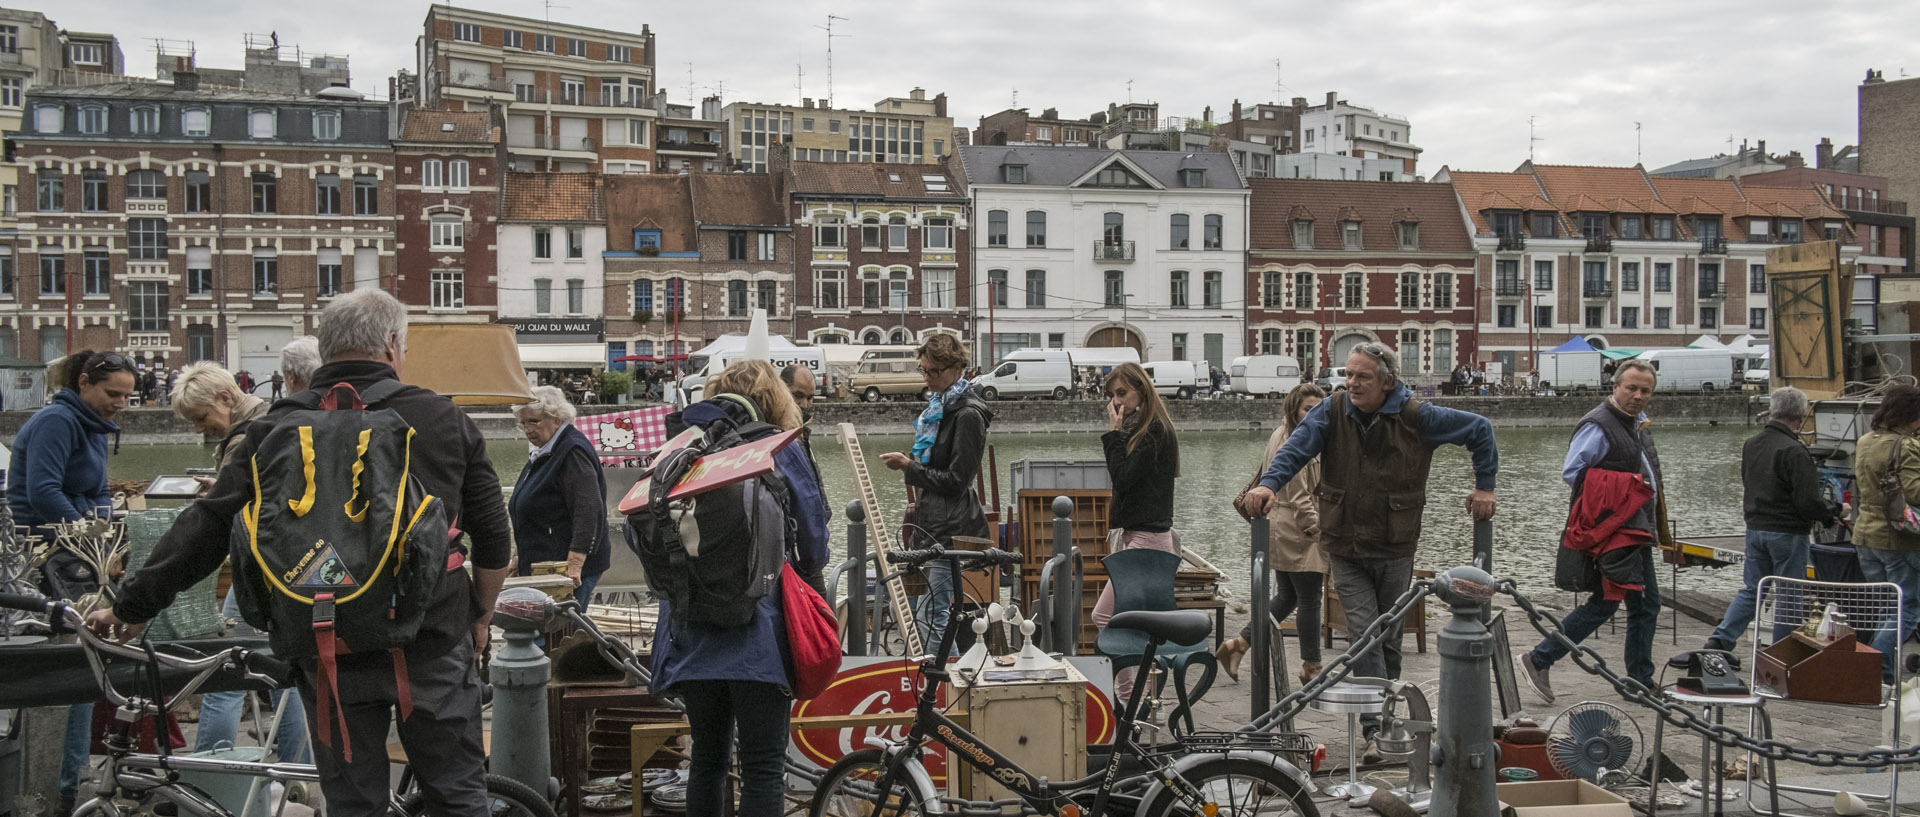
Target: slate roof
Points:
(552, 197)
(1377, 205)
(872, 180)
(737, 199)
(1061, 166)
(648, 201)
(430, 125)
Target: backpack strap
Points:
(379, 392)
(327, 679)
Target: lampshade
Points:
(476, 364)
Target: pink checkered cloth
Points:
(621, 437)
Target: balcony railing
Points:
(1508, 289)
(1594, 288)
(1599, 244)
(1512, 242)
(1713, 245)
(1886, 206)
(474, 80)
(544, 141)
(1113, 251)
(689, 147)
(1711, 291)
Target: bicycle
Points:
(137, 783)
(1205, 773)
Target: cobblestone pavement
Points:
(1229, 705)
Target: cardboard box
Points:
(1560, 798)
(1798, 667)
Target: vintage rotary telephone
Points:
(1709, 672)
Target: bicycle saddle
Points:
(1183, 627)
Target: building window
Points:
(1115, 229)
(1409, 290)
(1442, 350)
(1303, 294)
(199, 271)
(643, 297)
(1709, 317)
(1630, 227)
(997, 287)
(1273, 286)
(265, 193)
(143, 120)
(447, 232)
(573, 90)
(1036, 228)
(1757, 278)
(609, 92)
(996, 228)
(872, 235)
(1443, 290)
(576, 296)
(326, 125)
(1350, 235)
(1663, 317)
(1663, 228)
(1213, 236)
(266, 273)
(49, 191)
(737, 245)
(1354, 291)
(619, 53)
(448, 289)
(1756, 318)
(260, 124)
(9, 39)
(543, 42)
(11, 92)
(1177, 281)
(53, 270)
(543, 243)
(147, 306)
(576, 242)
(543, 296)
(1596, 317)
(1504, 316)
(1179, 345)
(936, 288)
(1409, 235)
(1506, 278)
(1629, 317)
(897, 290)
(93, 191)
(1409, 351)
(195, 121)
(146, 239)
(513, 39)
(1116, 288)
(199, 186)
(1306, 346)
(767, 296)
(366, 195)
(937, 235)
(1629, 276)
(457, 175)
(830, 287)
(96, 272)
(737, 299)
(49, 119)
(430, 178)
(146, 184)
(93, 119)
(1662, 277)
(1302, 234)
(1193, 177)
(466, 32)
(897, 233)
(329, 273)
(1545, 225)
(1210, 288)
(830, 231)
(1036, 288)
(200, 342)
(1543, 316)
(1177, 232)
(1709, 281)
(763, 245)
(576, 47)
(326, 194)
(1015, 174)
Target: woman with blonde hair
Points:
(733, 680)
(1293, 537)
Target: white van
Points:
(1269, 375)
(1179, 379)
(1029, 373)
(1691, 369)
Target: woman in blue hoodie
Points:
(59, 474)
(733, 679)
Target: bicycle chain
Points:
(1680, 715)
(1336, 670)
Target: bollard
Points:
(1464, 755)
(1066, 596)
(519, 675)
(1258, 631)
(856, 627)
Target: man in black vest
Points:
(1613, 436)
(1375, 441)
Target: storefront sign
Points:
(557, 329)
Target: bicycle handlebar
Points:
(256, 666)
(978, 558)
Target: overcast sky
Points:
(1467, 74)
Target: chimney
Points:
(807, 103)
(918, 94)
(1206, 115)
(185, 78)
(1794, 159)
(1823, 153)
(939, 103)
(1236, 110)
(1333, 98)
(1874, 77)
(1761, 149)
(1050, 113)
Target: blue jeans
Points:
(1768, 554)
(78, 750)
(1643, 618)
(1902, 567)
(220, 715)
(931, 616)
(584, 593)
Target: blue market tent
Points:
(1574, 345)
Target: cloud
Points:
(1468, 73)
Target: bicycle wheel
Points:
(851, 788)
(506, 797)
(1231, 786)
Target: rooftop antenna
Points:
(689, 79)
(1532, 139)
(1636, 142)
(830, 38)
(800, 80)
(1129, 92)
(1015, 104)
(1279, 83)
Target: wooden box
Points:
(1040, 725)
(1842, 671)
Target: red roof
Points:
(1378, 206)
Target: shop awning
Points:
(475, 364)
(563, 355)
(1620, 353)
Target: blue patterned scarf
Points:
(926, 428)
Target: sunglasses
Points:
(935, 370)
(109, 362)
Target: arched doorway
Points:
(1109, 337)
(1343, 347)
(1597, 342)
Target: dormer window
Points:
(1409, 234)
(1630, 227)
(1193, 177)
(1116, 176)
(1506, 224)
(144, 120)
(1593, 226)
(93, 119)
(646, 239)
(1302, 234)
(1545, 225)
(194, 121)
(49, 119)
(1016, 174)
(260, 124)
(326, 125)
(1663, 228)
(1790, 232)
(1350, 235)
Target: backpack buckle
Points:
(323, 610)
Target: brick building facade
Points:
(448, 173)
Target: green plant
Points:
(649, 251)
(615, 382)
(641, 316)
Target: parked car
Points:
(886, 373)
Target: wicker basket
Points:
(196, 611)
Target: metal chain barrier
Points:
(1337, 669)
(1679, 715)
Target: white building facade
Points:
(1344, 129)
(1077, 247)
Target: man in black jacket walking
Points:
(1782, 502)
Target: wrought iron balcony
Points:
(1595, 288)
(1711, 291)
(689, 147)
(1509, 289)
(1713, 245)
(1599, 244)
(1113, 251)
(1512, 242)
(475, 80)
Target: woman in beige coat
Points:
(1294, 546)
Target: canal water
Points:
(1702, 466)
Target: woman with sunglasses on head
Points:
(1143, 460)
(59, 474)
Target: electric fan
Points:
(1591, 736)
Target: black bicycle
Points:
(1205, 773)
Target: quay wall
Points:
(154, 426)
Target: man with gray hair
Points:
(298, 359)
(363, 341)
(1782, 501)
(1375, 441)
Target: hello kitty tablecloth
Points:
(625, 435)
